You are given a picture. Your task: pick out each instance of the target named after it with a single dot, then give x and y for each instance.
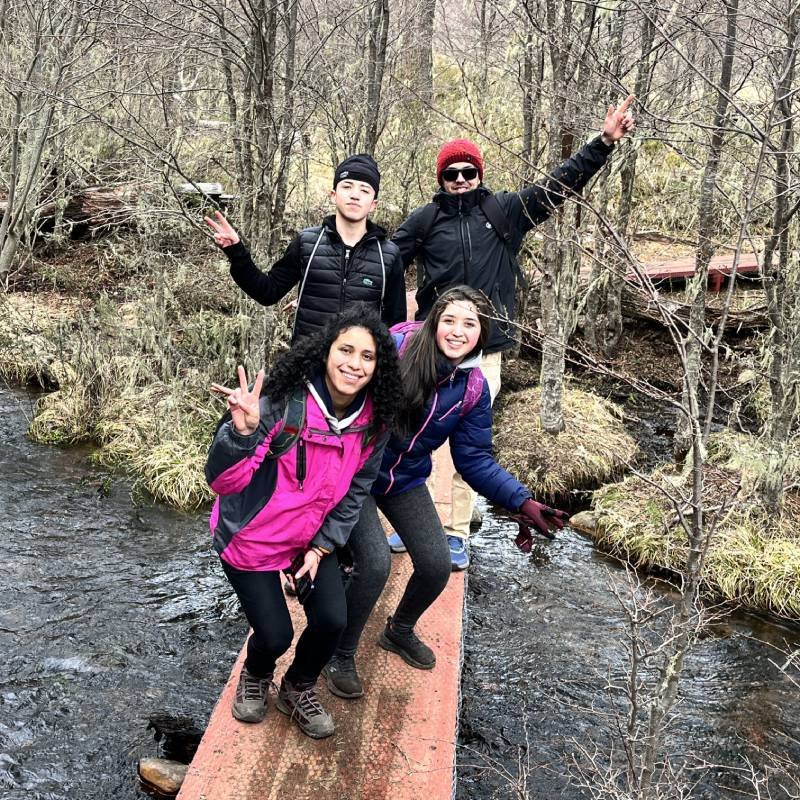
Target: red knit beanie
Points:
(459, 150)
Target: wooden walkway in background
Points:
(397, 742)
(683, 268)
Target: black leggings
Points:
(413, 515)
(264, 605)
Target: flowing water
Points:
(544, 634)
(111, 612)
(114, 611)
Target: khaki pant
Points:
(461, 496)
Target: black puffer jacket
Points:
(462, 247)
(336, 277)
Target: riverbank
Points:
(130, 368)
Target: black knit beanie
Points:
(360, 167)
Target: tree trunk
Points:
(378, 36)
(287, 124)
(707, 220)
(782, 289)
(609, 324)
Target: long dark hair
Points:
(419, 367)
(307, 358)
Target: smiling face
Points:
(460, 184)
(350, 365)
(458, 330)
(354, 200)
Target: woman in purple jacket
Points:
(447, 397)
(290, 486)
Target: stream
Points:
(115, 610)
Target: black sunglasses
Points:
(468, 173)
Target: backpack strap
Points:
(426, 219)
(401, 333)
(294, 420)
(494, 213)
(473, 392)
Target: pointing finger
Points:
(626, 102)
(242, 378)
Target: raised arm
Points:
(540, 200)
(266, 288)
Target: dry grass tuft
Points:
(753, 559)
(593, 448)
(133, 371)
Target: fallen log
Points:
(749, 316)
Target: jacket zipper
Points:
(412, 442)
(345, 266)
(461, 232)
(300, 465)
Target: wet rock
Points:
(585, 522)
(164, 776)
(178, 735)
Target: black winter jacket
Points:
(336, 277)
(461, 247)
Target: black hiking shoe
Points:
(408, 646)
(250, 702)
(342, 677)
(303, 706)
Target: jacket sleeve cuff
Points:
(236, 251)
(601, 145)
(245, 441)
(320, 540)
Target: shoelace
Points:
(254, 688)
(307, 704)
(343, 667)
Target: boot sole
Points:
(284, 709)
(388, 644)
(334, 689)
(243, 717)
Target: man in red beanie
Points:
(469, 235)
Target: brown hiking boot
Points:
(303, 706)
(252, 693)
(342, 677)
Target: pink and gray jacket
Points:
(268, 510)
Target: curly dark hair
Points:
(307, 358)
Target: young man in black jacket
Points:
(470, 235)
(345, 260)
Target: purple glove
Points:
(541, 518)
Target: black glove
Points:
(541, 518)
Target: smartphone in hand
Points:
(303, 586)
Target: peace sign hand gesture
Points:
(618, 121)
(243, 403)
(224, 233)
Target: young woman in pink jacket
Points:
(292, 466)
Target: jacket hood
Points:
(445, 368)
(318, 390)
(465, 202)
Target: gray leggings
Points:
(413, 515)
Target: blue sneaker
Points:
(396, 543)
(459, 558)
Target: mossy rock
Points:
(593, 448)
